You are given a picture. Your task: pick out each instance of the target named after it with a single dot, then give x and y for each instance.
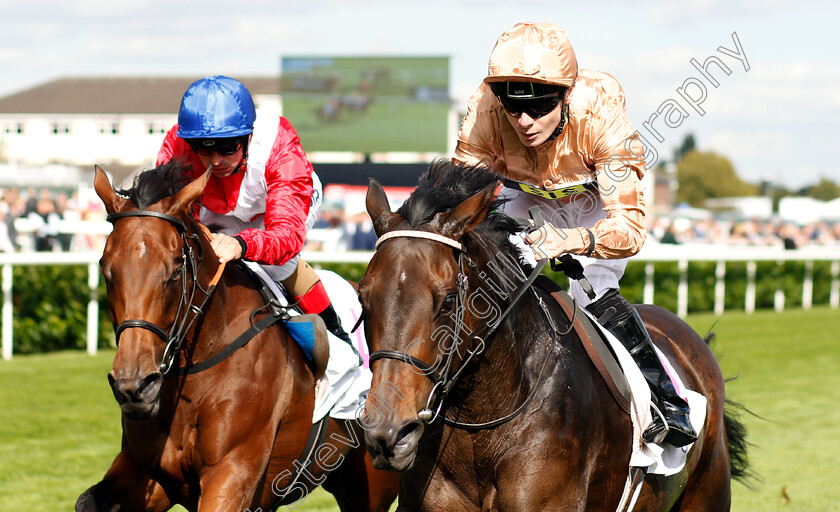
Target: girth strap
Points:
(594, 345)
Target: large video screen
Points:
(367, 104)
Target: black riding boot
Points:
(333, 324)
(622, 320)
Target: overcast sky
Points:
(778, 120)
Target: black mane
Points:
(152, 185)
(446, 185)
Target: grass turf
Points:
(788, 374)
(59, 424)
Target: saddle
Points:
(593, 342)
(308, 330)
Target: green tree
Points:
(704, 174)
(688, 145)
(780, 191)
(825, 190)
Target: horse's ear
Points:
(467, 215)
(102, 185)
(379, 210)
(183, 200)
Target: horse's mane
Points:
(152, 185)
(446, 185)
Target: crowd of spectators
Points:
(741, 232)
(339, 232)
(44, 220)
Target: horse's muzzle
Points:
(138, 396)
(394, 447)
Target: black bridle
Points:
(445, 381)
(187, 312)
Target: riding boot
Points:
(333, 323)
(309, 293)
(317, 301)
(671, 422)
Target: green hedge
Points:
(769, 276)
(50, 309)
(50, 302)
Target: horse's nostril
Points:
(116, 389)
(409, 432)
(136, 389)
(147, 381)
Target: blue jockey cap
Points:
(214, 107)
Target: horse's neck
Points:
(513, 360)
(525, 336)
(226, 315)
(507, 361)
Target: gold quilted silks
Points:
(598, 143)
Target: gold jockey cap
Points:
(533, 52)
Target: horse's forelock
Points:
(446, 185)
(152, 185)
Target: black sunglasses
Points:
(224, 150)
(535, 108)
(529, 99)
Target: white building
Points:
(116, 122)
(805, 210)
(759, 207)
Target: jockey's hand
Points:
(550, 242)
(226, 247)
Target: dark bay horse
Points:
(229, 437)
(483, 402)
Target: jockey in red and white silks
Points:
(270, 204)
(262, 193)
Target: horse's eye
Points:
(177, 273)
(448, 304)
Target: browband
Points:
(419, 234)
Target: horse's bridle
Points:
(187, 312)
(444, 382)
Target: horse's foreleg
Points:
(230, 485)
(126, 486)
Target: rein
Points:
(444, 383)
(187, 312)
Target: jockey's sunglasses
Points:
(206, 147)
(532, 99)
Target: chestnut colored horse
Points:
(231, 435)
(483, 397)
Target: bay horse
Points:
(225, 430)
(483, 397)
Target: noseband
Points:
(187, 312)
(444, 382)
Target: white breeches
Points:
(584, 211)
